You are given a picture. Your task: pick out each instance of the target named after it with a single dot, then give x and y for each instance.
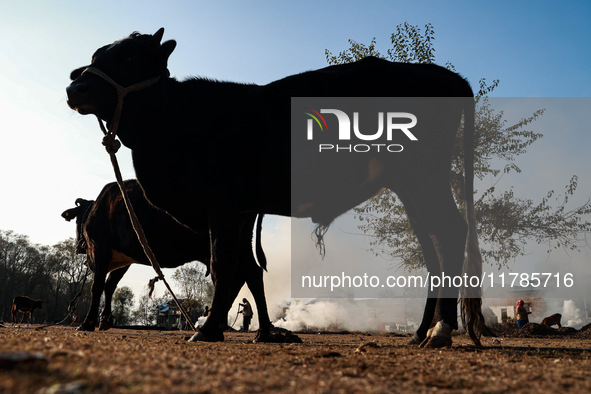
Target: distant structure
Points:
(169, 314)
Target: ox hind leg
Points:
(113, 279)
(248, 270)
(101, 262)
(436, 216)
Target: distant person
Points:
(521, 314)
(206, 311)
(246, 314)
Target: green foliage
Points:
(146, 313)
(506, 223)
(53, 274)
(409, 45)
(355, 52)
(122, 303)
(196, 288)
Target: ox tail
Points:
(260, 253)
(471, 303)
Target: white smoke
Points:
(370, 315)
(321, 315)
(571, 315)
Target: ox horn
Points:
(79, 201)
(158, 35)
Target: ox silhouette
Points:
(105, 234)
(25, 305)
(199, 145)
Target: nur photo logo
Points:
(348, 129)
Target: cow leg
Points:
(448, 231)
(434, 216)
(101, 260)
(254, 280)
(113, 279)
(431, 261)
(224, 232)
(253, 274)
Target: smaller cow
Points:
(105, 234)
(552, 320)
(25, 305)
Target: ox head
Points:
(81, 206)
(126, 62)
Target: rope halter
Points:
(109, 140)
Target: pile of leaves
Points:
(510, 328)
(584, 332)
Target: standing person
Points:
(521, 314)
(246, 314)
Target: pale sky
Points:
(50, 155)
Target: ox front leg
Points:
(224, 232)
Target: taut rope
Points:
(112, 146)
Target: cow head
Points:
(129, 61)
(81, 206)
(80, 213)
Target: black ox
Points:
(105, 234)
(200, 146)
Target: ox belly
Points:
(120, 260)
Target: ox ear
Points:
(158, 35)
(167, 48)
(76, 73)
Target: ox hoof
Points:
(201, 337)
(416, 340)
(284, 336)
(85, 327)
(438, 336)
(106, 322)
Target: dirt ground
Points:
(61, 360)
